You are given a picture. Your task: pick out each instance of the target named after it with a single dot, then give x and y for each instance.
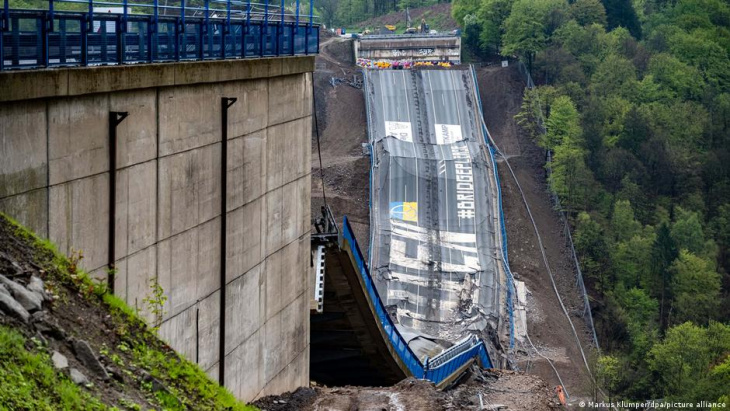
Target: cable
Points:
(544, 256)
(319, 150)
(545, 261)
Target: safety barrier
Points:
(503, 227)
(137, 32)
(436, 369)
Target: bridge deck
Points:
(126, 35)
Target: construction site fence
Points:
(537, 109)
(436, 369)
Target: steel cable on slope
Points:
(544, 256)
(510, 278)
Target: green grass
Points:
(28, 380)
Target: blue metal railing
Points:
(502, 224)
(142, 32)
(443, 367)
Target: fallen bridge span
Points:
(436, 268)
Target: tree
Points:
(492, 14)
(615, 75)
(663, 253)
(621, 13)
(681, 361)
(641, 317)
(587, 12)
(461, 8)
(695, 287)
(608, 374)
(563, 124)
(631, 259)
(569, 176)
(687, 231)
(328, 8)
(623, 223)
(681, 79)
(590, 245)
(527, 27)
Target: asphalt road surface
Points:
(432, 223)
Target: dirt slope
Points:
(340, 112)
(481, 391)
(501, 94)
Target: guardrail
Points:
(437, 369)
(96, 33)
(503, 226)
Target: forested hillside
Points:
(349, 12)
(636, 101)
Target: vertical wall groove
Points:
(226, 102)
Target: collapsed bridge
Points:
(436, 273)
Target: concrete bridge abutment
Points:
(55, 178)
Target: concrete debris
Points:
(60, 361)
(27, 299)
(86, 355)
(78, 377)
(10, 307)
(355, 82)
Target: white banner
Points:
(448, 133)
(400, 130)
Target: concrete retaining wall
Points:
(412, 47)
(54, 178)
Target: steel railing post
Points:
(154, 39)
(264, 28)
(115, 118)
(122, 34)
(103, 43)
(206, 31)
(181, 42)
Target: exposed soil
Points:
(340, 112)
(501, 93)
(480, 391)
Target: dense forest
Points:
(636, 100)
(347, 12)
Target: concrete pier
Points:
(55, 177)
